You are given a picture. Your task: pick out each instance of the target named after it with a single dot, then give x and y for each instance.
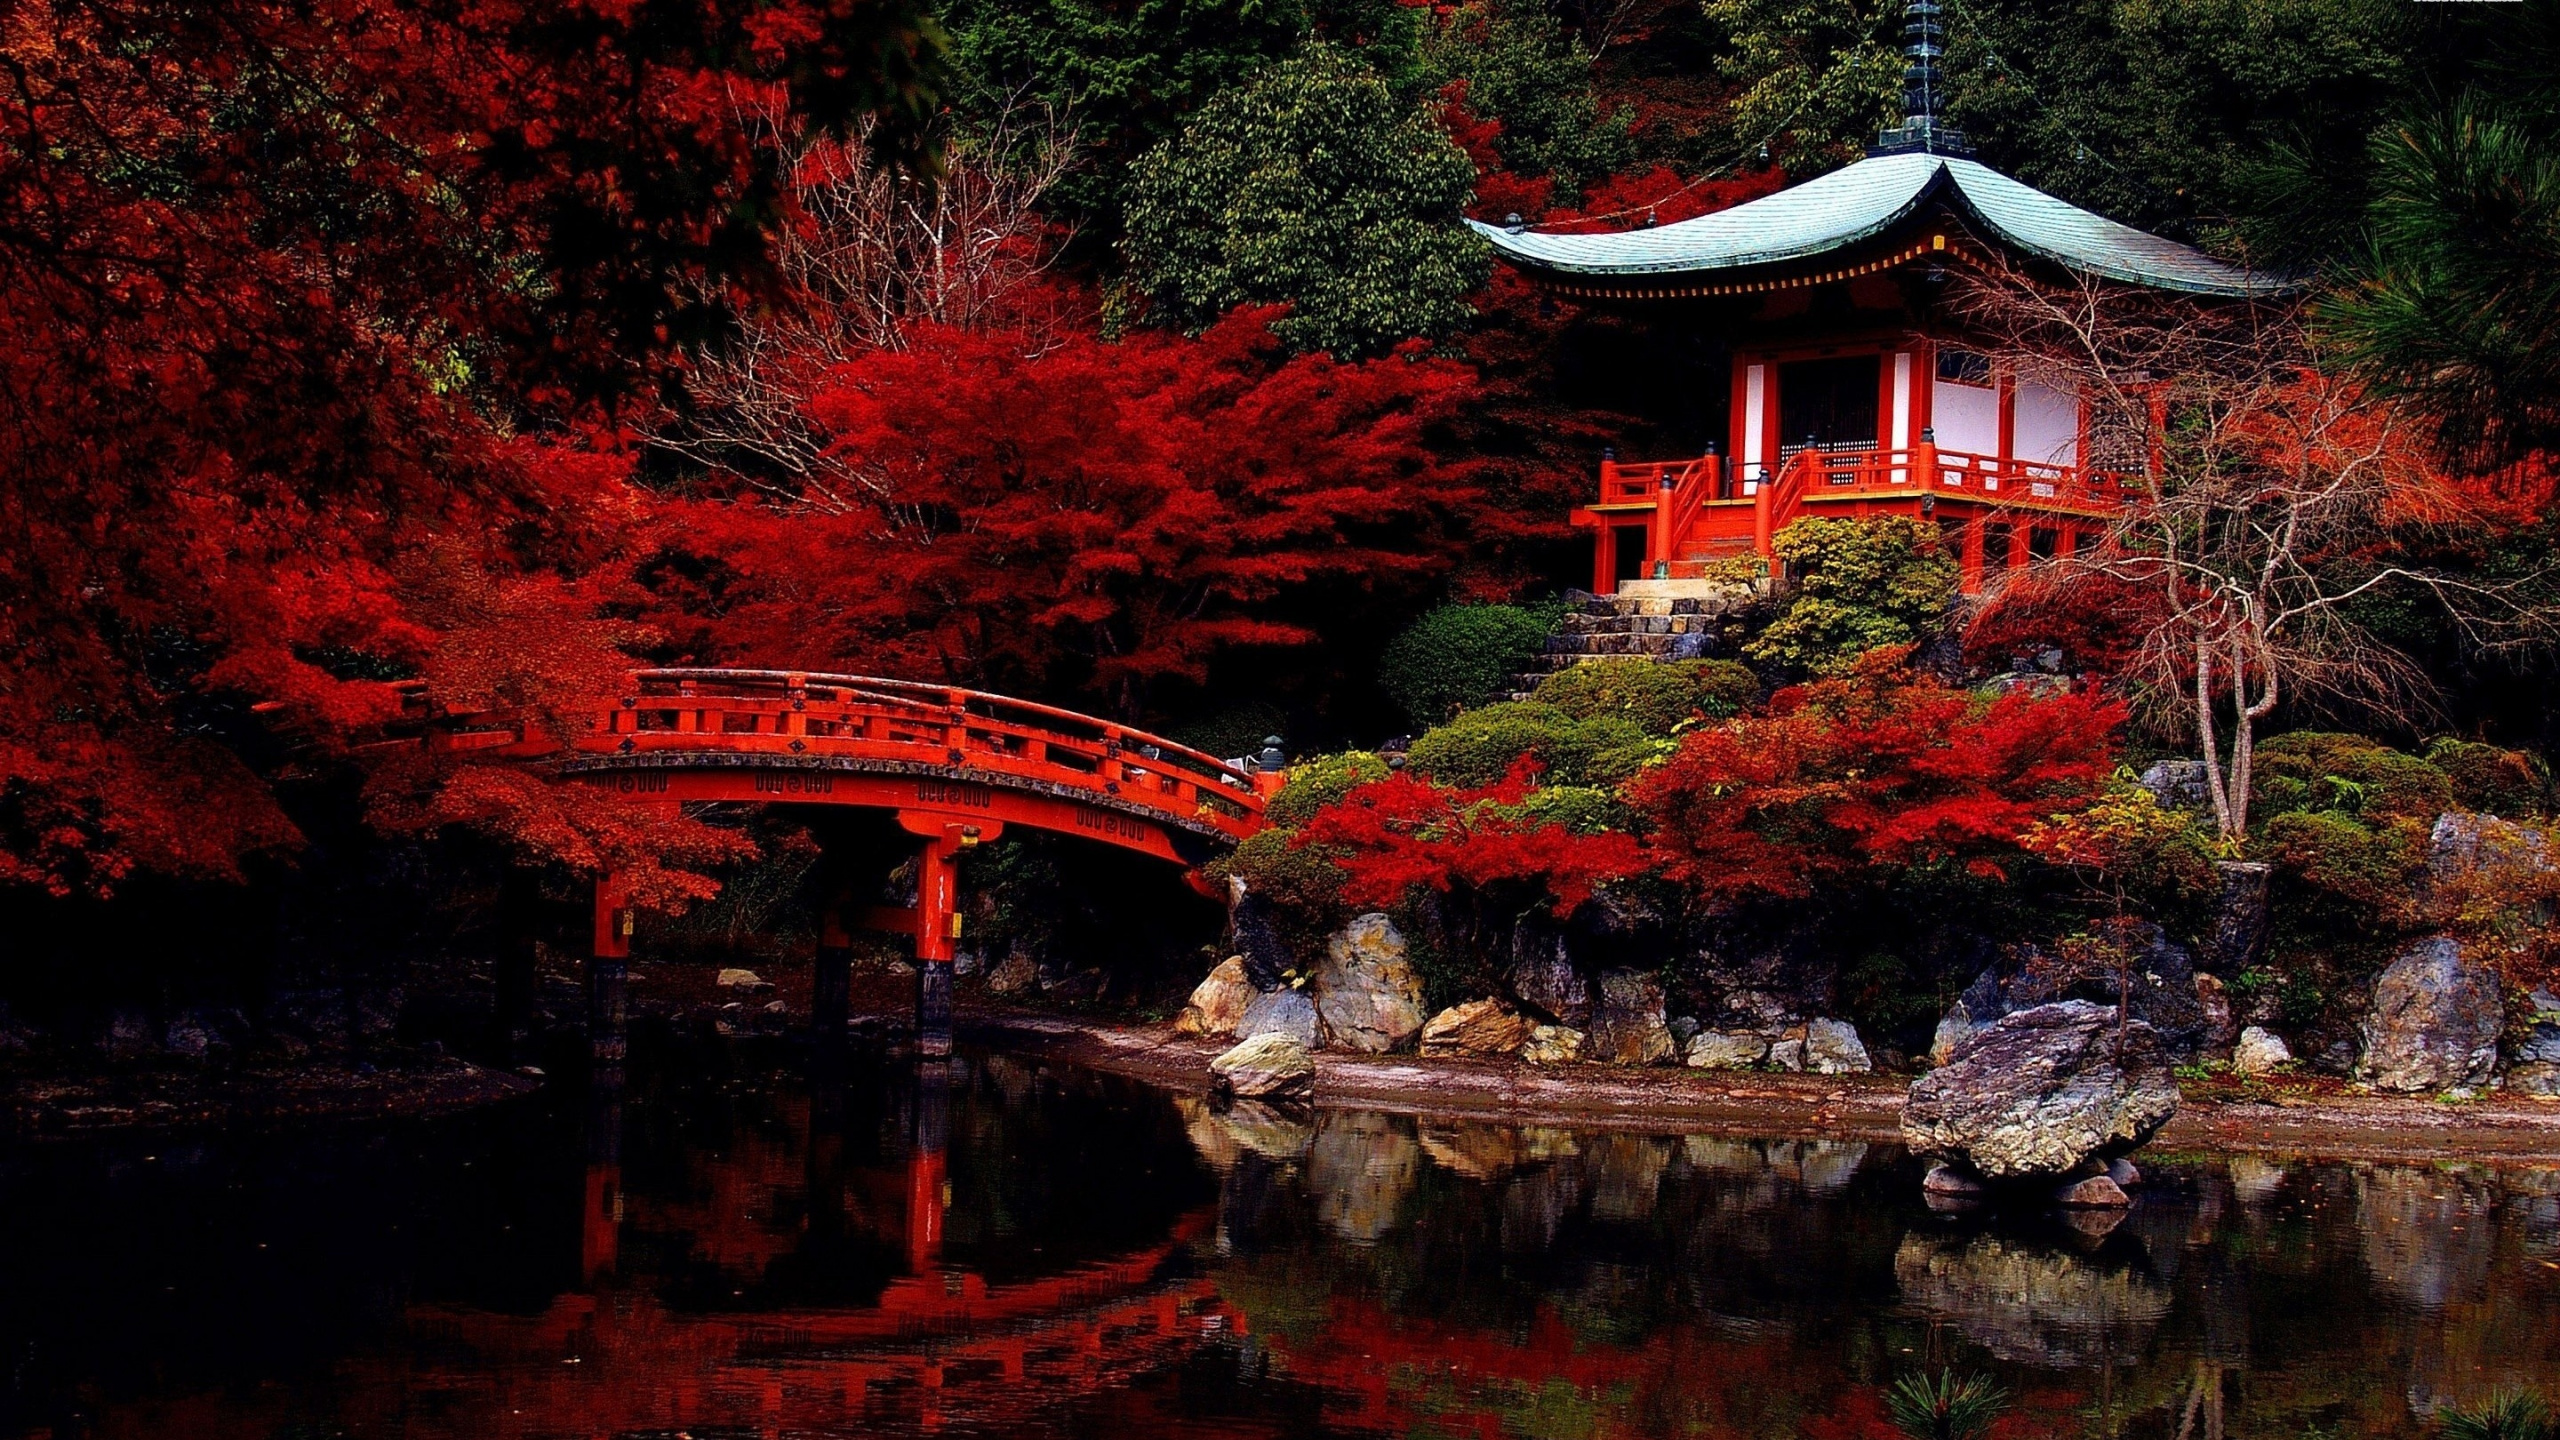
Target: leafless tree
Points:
(2273, 499)
(869, 251)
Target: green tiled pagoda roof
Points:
(1867, 199)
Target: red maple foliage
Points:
(1395, 835)
(1883, 767)
(1095, 521)
(282, 285)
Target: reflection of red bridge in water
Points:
(954, 766)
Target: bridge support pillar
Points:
(937, 917)
(609, 973)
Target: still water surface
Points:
(1026, 1250)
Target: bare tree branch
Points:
(869, 252)
(2275, 494)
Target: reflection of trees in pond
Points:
(2032, 1303)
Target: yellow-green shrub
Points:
(1650, 694)
(1320, 782)
(1479, 747)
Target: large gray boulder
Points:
(1725, 1050)
(2535, 1067)
(1832, 1047)
(1286, 1011)
(1266, 1067)
(2037, 1093)
(1478, 1027)
(1544, 978)
(1257, 941)
(2183, 1005)
(1366, 991)
(1218, 1002)
(2436, 1016)
(1627, 1025)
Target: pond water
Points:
(1013, 1249)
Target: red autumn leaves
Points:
(1878, 770)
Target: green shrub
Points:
(1654, 696)
(2506, 783)
(2507, 1415)
(1582, 809)
(1457, 656)
(1859, 585)
(2323, 770)
(1302, 884)
(1478, 747)
(1319, 783)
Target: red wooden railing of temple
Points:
(1694, 513)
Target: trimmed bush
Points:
(1319, 783)
(2507, 783)
(1478, 747)
(2323, 770)
(1457, 656)
(1653, 696)
(1303, 884)
(1860, 585)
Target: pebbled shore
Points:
(1845, 1107)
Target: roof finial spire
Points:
(1922, 90)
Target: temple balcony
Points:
(1682, 519)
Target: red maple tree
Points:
(1082, 520)
(1393, 836)
(285, 287)
(1883, 767)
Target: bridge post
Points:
(937, 922)
(609, 972)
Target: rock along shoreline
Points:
(1772, 1105)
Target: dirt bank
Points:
(303, 1093)
(1846, 1107)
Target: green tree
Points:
(1859, 585)
(2457, 305)
(1818, 77)
(1521, 68)
(1125, 74)
(1315, 185)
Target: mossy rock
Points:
(1652, 695)
(2510, 784)
(2324, 770)
(2373, 867)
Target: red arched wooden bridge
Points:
(955, 766)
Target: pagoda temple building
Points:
(1854, 391)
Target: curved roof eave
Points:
(1861, 201)
(1841, 208)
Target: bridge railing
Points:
(863, 716)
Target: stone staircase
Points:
(1677, 619)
